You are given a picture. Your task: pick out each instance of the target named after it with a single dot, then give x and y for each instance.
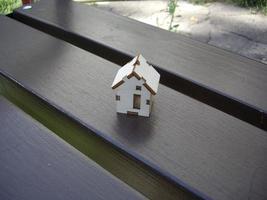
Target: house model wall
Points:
(135, 85)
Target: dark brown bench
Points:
(186, 149)
(231, 83)
(37, 164)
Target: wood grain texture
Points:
(36, 164)
(193, 144)
(228, 82)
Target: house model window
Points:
(131, 97)
(138, 87)
(117, 97)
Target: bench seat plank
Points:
(189, 142)
(229, 82)
(36, 164)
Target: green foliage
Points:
(171, 8)
(201, 1)
(251, 3)
(7, 6)
(260, 5)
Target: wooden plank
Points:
(136, 174)
(36, 164)
(194, 145)
(228, 82)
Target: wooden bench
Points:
(186, 149)
(36, 164)
(231, 83)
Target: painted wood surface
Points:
(228, 82)
(36, 164)
(195, 145)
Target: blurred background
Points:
(239, 26)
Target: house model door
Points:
(136, 101)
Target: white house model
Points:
(135, 85)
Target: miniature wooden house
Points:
(135, 85)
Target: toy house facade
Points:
(135, 85)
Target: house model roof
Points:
(139, 68)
